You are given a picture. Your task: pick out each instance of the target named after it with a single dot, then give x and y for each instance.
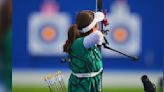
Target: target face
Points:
(45, 34)
(125, 30)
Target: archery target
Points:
(124, 31)
(45, 36)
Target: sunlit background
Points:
(40, 30)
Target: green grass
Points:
(41, 89)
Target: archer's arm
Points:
(93, 39)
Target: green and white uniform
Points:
(85, 61)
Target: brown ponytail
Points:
(83, 19)
(73, 33)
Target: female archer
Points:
(82, 47)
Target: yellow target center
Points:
(48, 33)
(120, 34)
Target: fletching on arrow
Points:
(55, 82)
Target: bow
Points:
(105, 23)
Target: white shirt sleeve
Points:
(93, 39)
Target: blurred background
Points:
(40, 30)
(5, 45)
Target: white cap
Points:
(98, 16)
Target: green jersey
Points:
(85, 61)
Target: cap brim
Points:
(99, 16)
